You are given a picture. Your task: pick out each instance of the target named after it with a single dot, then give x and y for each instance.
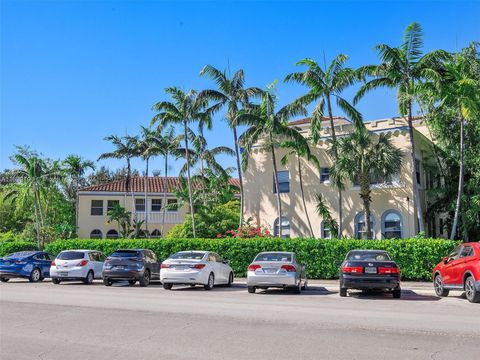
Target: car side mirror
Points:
(445, 260)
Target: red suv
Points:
(460, 270)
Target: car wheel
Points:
(107, 282)
(55, 281)
(168, 286)
(132, 282)
(397, 293)
(471, 293)
(145, 279)
(230, 279)
(343, 292)
(4, 279)
(89, 279)
(35, 275)
(251, 289)
(439, 287)
(210, 283)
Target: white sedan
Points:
(71, 265)
(195, 268)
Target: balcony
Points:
(171, 217)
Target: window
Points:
(71, 255)
(172, 205)
(156, 205)
(361, 228)
(140, 205)
(283, 182)
(391, 225)
(466, 251)
(111, 204)
(156, 234)
(112, 234)
(418, 173)
(324, 175)
(285, 228)
(454, 254)
(96, 207)
(273, 256)
(142, 234)
(325, 229)
(96, 234)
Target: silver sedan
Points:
(276, 270)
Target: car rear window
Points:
(127, 253)
(368, 256)
(190, 255)
(274, 257)
(71, 255)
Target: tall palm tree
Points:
(300, 150)
(269, 128)
(231, 92)
(75, 168)
(184, 109)
(402, 68)
(325, 87)
(362, 156)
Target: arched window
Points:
(326, 233)
(156, 234)
(285, 227)
(392, 225)
(96, 234)
(361, 226)
(112, 234)
(142, 234)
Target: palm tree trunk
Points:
(460, 180)
(37, 219)
(279, 203)
(145, 187)
(335, 152)
(237, 154)
(417, 202)
(164, 202)
(303, 196)
(187, 157)
(76, 204)
(365, 195)
(42, 224)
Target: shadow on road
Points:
(407, 295)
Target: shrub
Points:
(416, 257)
(8, 247)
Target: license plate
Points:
(179, 267)
(270, 271)
(370, 270)
(120, 267)
(63, 273)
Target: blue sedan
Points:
(33, 265)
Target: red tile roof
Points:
(307, 120)
(156, 184)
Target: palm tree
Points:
(184, 109)
(232, 94)
(402, 68)
(300, 150)
(75, 167)
(326, 86)
(363, 156)
(270, 128)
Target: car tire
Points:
(55, 281)
(145, 279)
(132, 282)
(397, 293)
(230, 280)
(251, 289)
(439, 286)
(210, 282)
(89, 278)
(107, 282)
(471, 293)
(343, 292)
(168, 286)
(35, 275)
(4, 279)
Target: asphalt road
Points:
(75, 321)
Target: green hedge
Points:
(416, 257)
(8, 247)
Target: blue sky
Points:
(74, 72)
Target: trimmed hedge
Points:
(8, 247)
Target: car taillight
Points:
(82, 263)
(388, 270)
(254, 267)
(352, 269)
(197, 266)
(165, 266)
(289, 268)
(53, 263)
(20, 262)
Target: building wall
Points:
(260, 200)
(88, 222)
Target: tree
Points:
(184, 109)
(363, 156)
(231, 93)
(326, 86)
(122, 218)
(322, 209)
(402, 68)
(270, 128)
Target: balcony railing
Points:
(171, 217)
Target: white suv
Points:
(71, 265)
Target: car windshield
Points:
(19, 255)
(274, 257)
(126, 253)
(190, 255)
(70, 255)
(368, 256)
